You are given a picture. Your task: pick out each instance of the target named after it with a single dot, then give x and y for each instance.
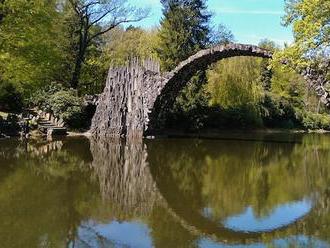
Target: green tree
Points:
(95, 19)
(116, 49)
(266, 71)
(221, 35)
(122, 45)
(233, 83)
(30, 52)
(310, 20)
(184, 30)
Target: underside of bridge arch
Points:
(180, 76)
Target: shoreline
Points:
(204, 134)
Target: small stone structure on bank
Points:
(50, 125)
(137, 96)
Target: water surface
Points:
(265, 191)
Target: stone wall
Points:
(124, 106)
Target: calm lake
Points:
(249, 191)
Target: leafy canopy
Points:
(310, 20)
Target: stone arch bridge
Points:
(136, 96)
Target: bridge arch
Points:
(179, 77)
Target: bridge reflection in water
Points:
(167, 193)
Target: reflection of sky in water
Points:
(281, 216)
(116, 234)
(292, 241)
(137, 234)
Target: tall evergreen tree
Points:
(184, 30)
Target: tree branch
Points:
(75, 7)
(102, 16)
(91, 3)
(112, 26)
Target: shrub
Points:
(41, 97)
(310, 120)
(63, 103)
(278, 112)
(10, 98)
(67, 105)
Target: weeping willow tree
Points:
(234, 82)
(234, 86)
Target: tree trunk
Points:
(77, 70)
(83, 44)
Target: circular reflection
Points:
(281, 216)
(261, 190)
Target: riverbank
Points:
(233, 134)
(252, 134)
(269, 135)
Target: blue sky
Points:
(249, 20)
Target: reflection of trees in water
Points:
(314, 154)
(111, 180)
(223, 178)
(123, 174)
(43, 196)
(10, 150)
(58, 159)
(39, 150)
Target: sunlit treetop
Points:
(310, 20)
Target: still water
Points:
(267, 191)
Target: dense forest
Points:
(54, 52)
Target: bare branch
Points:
(91, 4)
(102, 16)
(113, 25)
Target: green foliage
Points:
(40, 98)
(221, 35)
(122, 45)
(63, 103)
(118, 47)
(312, 120)
(9, 126)
(67, 105)
(234, 117)
(310, 21)
(44, 41)
(48, 41)
(10, 98)
(184, 30)
(277, 112)
(29, 50)
(190, 108)
(234, 82)
(288, 83)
